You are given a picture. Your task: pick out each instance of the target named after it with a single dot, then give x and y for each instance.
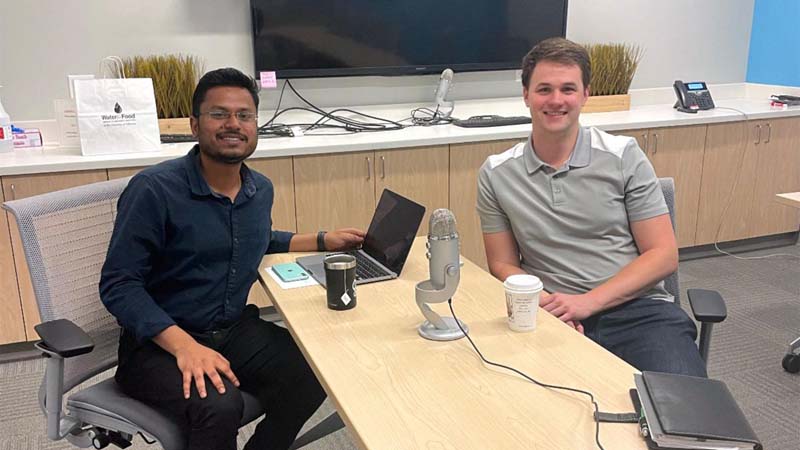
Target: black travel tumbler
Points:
(340, 276)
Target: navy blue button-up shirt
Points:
(184, 255)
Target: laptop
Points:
(386, 245)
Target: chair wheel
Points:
(100, 441)
(791, 363)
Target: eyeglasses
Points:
(241, 116)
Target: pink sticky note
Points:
(268, 80)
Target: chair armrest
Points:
(707, 306)
(63, 338)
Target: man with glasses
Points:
(188, 239)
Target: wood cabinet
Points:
(21, 186)
(122, 172)
(334, 191)
(465, 161)
(341, 190)
(726, 192)
(12, 328)
(281, 172)
(420, 174)
(677, 152)
(745, 165)
(777, 171)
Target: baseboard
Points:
(740, 246)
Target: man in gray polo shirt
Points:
(583, 211)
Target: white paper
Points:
(67, 120)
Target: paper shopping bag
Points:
(117, 115)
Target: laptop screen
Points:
(392, 230)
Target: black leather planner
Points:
(695, 409)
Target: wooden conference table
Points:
(396, 390)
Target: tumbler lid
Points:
(340, 262)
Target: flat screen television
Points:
(319, 38)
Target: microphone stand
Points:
(436, 327)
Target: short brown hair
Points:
(558, 50)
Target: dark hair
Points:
(558, 50)
(222, 77)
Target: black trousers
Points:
(268, 365)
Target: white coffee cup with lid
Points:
(522, 301)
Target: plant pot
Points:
(605, 103)
(174, 126)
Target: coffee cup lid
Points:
(523, 282)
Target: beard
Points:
(228, 158)
(221, 155)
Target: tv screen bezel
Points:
(387, 70)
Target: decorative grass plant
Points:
(174, 79)
(613, 67)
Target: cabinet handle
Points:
(758, 135)
(655, 143)
(769, 133)
(383, 167)
(645, 138)
(369, 168)
(13, 192)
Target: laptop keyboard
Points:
(366, 269)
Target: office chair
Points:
(65, 236)
(708, 307)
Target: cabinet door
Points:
(642, 137)
(21, 186)
(280, 172)
(677, 152)
(465, 160)
(726, 191)
(420, 174)
(334, 191)
(778, 171)
(12, 325)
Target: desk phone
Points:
(692, 96)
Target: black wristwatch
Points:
(321, 241)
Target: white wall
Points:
(44, 40)
(683, 39)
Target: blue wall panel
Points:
(774, 56)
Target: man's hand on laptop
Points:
(344, 239)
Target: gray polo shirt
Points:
(572, 224)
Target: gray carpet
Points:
(22, 425)
(763, 299)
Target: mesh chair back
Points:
(671, 282)
(65, 236)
